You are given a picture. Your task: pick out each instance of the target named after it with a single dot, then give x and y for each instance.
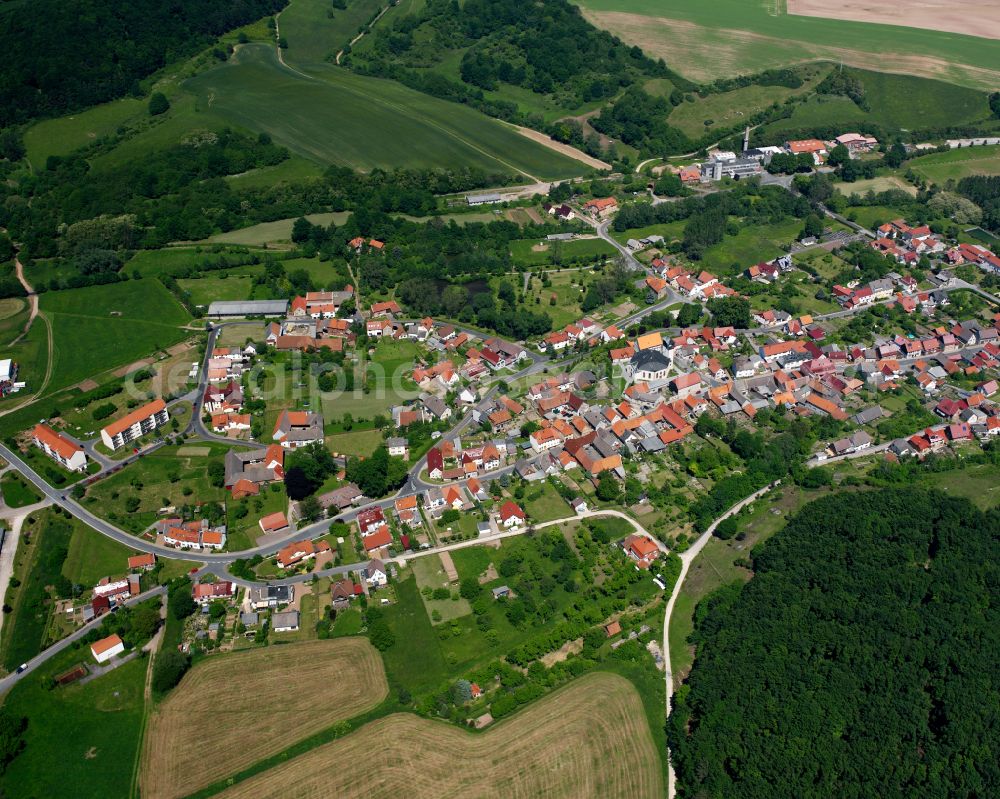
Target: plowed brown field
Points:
(234, 710)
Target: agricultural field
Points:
(729, 37)
(590, 738)
(957, 164)
(272, 697)
(98, 328)
(972, 17)
(92, 731)
(169, 476)
(387, 126)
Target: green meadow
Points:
(91, 731)
(98, 328)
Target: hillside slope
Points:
(64, 55)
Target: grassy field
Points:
(93, 556)
(871, 216)
(316, 31)
(877, 185)
(538, 253)
(158, 479)
(272, 697)
(17, 492)
(92, 731)
(292, 170)
(101, 327)
(729, 37)
(430, 574)
(389, 384)
(361, 443)
(207, 289)
(333, 116)
(63, 135)
(243, 533)
(544, 504)
(957, 164)
(273, 232)
(723, 110)
(752, 244)
(590, 738)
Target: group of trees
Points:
(984, 191)
(862, 653)
(708, 218)
(639, 119)
(378, 475)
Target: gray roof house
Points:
(285, 622)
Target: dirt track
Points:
(234, 710)
(559, 147)
(590, 739)
(972, 17)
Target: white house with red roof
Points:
(66, 453)
(641, 549)
(511, 515)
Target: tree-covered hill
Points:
(861, 660)
(64, 55)
(511, 59)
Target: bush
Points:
(168, 669)
(103, 411)
(158, 104)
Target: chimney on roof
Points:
(746, 139)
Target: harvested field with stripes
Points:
(231, 711)
(590, 738)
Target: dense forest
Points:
(63, 56)
(860, 661)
